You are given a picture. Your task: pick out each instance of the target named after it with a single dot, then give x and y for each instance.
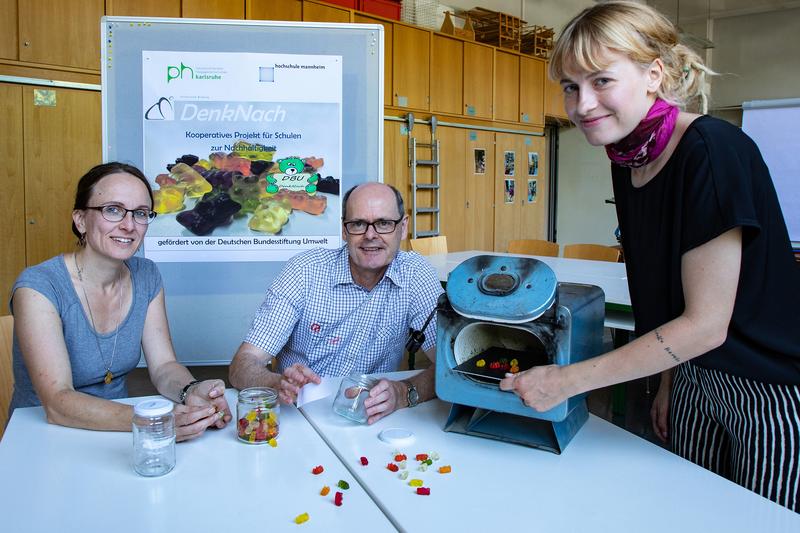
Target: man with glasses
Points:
(338, 312)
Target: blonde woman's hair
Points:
(641, 33)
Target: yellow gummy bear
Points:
(168, 200)
(251, 416)
(415, 482)
(481, 363)
(299, 519)
(272, 442)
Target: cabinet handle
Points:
(26, 43)
(31, 222)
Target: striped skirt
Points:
(744, 430)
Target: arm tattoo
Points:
(660, 339)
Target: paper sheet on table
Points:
(311, 392)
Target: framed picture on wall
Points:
(480, 161)
(508, 163)
(508, 195)
(532, 191)
(533, 163)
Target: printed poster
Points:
(243, 151)
(533, 163)
(532, 185)
(480, 161)
(508, 163)
(508, 191)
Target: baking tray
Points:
(526, 360)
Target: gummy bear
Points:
(423, 491)
(415, 482)
(364, 461)
(422, 457)
(168, 200)
(445, 469)
(400, 457)
(196, 185)
(344, 485)
(245, 190)
(313, 205)
(317, 470)
(221, 179)
(238, 164)
(253, 151)
(393, 467)
(337, 499)
(325, 490)
(270, 217)
(329, 185)
(214, 210)
(299, 519)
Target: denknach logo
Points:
(161, 110)
(174, 72)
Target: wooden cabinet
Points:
(8, 37)
(453, 194)
(275, 10)
(213, 9)
(506, 86)
(518, 213)
(61, 33)
(411, 52)
(553, 99)
(478, 80)
(314, 12)
(61, 143)
(447, 60)
(531, 91)
(387, 52)
(143, 8)
(479, 164)
(12, 200)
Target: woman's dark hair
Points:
(87, 182)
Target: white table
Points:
(611, 277)
(606, 480)
(61, 479)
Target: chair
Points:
(533, 247)
(429, 245)
(6, 372)
(595, 252)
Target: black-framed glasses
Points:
(360, 227)
(115, 213)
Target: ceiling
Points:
(686, 11)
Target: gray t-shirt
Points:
(51, 279)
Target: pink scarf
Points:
(648, 139)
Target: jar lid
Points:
(153, 407)
(257, 394)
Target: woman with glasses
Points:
(82, 319)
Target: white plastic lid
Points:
(153, 407)
(397, 436)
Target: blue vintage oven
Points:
(500, 310)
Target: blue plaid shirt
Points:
(315, 314)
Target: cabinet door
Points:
(507, 190)
(144, 8)
(8, 37)
(479, 162)
(61, 33)
(452, 195)
(12, 201)
(62, 142)
(531, 91)
(534, 191)
(275, 10)
(553, 99)
(213, 9)
(447, 60)
(314, 12)
(387, 52)
(478, 80)
(506, 86)
(411, 61)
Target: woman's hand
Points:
(210, 393)
(659, 412)
(293, 379)
(541, 387)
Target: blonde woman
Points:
(81, 320)
(713, 281)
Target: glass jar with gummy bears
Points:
(257, 415)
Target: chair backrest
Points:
(533, 247)
(6, 372)
(595, 252)
(429, 245)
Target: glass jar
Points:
(349, 402)
(257, 415)
(153, 437)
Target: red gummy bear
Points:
(393, 467)
(364, 461)
(317, 470)
(337, 499)
(423, 491)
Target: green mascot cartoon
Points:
(292, 177)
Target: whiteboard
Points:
(775, 127)
(211, 305)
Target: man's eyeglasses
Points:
(115, 213)
(360, 227)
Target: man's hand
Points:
(385, 398)
(541, 387)
(293, 379)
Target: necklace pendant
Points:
(109, 377)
